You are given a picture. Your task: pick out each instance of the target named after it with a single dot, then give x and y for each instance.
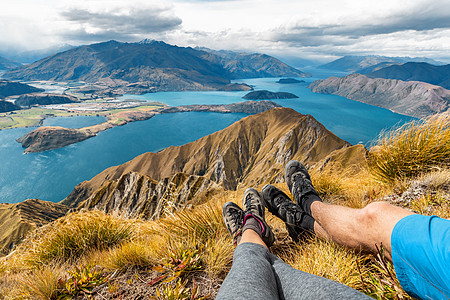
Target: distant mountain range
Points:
(6, 64)
(369, 63)
(27, 57)
(159, 65)
(246, 65)
(413, 98)
(413, 71)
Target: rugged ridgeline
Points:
(134, 195)
(413, 98)
(413, 71)
(369, 63)
(53, 137)
(150, 66)
(246, 65)
(252, 151)
(16, 220)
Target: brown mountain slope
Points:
(249, 152)
(412, 98)
(16, 220)
(134, 195)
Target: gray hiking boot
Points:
(300, 185)
(298, 223)
(233, 217)
(254, 207)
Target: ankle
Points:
(251, 222)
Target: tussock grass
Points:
(190, 252)
(75, 235)
(41, 283)
(131, 254)
(326, 259)
(413, 149)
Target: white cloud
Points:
(282, 27)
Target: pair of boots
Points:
(297, 216)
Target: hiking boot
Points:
(298, 223)
(233, 217)
(254, 207)
(300, 185)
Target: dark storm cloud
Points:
(120, 23)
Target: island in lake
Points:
(267, 95)
(289, 81)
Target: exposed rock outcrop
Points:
(252, 151)
(16, 220)
(413, 98)
(138, 196)
(267, 95)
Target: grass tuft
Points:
(413, 149)
(41, 283)
(76, 234)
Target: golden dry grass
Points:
(415, 148)
(198, 238)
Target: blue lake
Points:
(52, 175)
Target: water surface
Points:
(52, 175)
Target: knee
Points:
(372, 213)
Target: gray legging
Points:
(258, 274)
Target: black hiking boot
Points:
(254, 207)
(298, 224)
(233, 217)
(300, 185)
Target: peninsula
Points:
(412, 98)
(52, 137)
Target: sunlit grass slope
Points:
(187, 255)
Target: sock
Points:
(307, 223)
(307, 200)
(252, 223)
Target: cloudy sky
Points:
(319, 29)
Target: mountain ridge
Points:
(248, 152)
(160, 66)
(415, 71)
(413, 98)
(355, 64)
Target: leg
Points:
(251, 276)
(354, 228)
(295, 284)
(359, 228)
